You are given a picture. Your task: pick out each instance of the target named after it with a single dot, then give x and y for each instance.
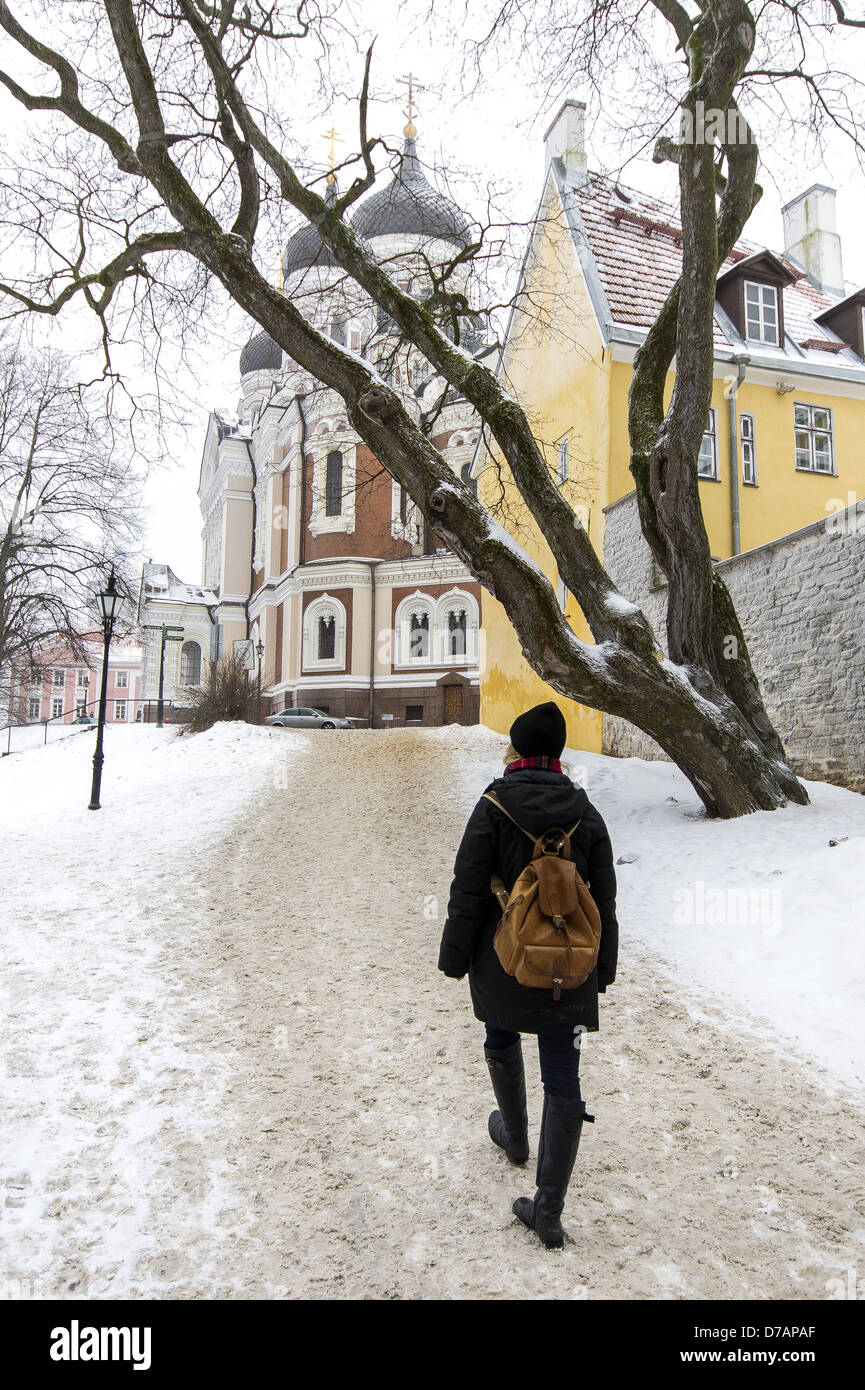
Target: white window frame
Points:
(563, 459)
(323, 603)
(710, 433)
(58, 684)
(812, 431)
(410, 529)
(333, 437)
(34, 700)
(748, 443)
(186, 684)
(55, 712)
(121, 680)
(120, 711)
(456, 598)
(402, 624)
(82, 678)
(760, 307)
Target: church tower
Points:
(311, 548)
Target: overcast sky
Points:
(493, 134)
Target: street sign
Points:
(244, 653)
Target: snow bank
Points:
(99, 1085)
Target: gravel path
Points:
(325, 1125)
(360, 1094)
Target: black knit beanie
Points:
(540, 732)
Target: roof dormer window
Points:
(761, 313)
(751, 294)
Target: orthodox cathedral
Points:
(315, 561)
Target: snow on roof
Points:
(636, 242)
(159, 582)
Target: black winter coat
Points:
(538, 799)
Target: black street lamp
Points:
(109, 601)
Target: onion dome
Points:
(409, 205)
(261, 354)
(305, 247)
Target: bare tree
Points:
(67, 507)
(176, 140)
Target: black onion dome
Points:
(409, 205)
(306, 248)
(260, 354)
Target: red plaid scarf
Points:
(549, 764)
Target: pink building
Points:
(66, 688)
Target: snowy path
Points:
(323, 1127)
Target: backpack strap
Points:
(491, 796)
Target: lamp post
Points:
(259, 651)
(109, 601)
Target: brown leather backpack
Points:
(550, 930)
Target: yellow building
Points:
(785, 441)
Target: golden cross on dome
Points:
(332, 136)
(413, 86)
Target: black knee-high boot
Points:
(561, 1127)
(509, 1125)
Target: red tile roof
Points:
(636, 241)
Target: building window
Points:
(563, 460)
(749, 450)
(59, 679)
(466, 475)
(122, 680)
(418, 639)
(456, 632)
(413, 713)
(34, 708)
(190, 664)
(324, 633)
(761, 313)
(707, 459)
(333, 484)
(83, 678)
(80, 708)
(56, 709)
(814, 453)
(325, 649)
(119, 710)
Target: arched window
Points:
(190, 664)
(333, 484)
(419, 635)
(466, 475)
(455, 635)
(325, 647)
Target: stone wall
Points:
(801, 603)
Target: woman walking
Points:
(535, 794)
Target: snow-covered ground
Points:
(232, 1069)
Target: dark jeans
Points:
(560, 1059)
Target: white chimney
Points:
(566, 140)
(811, 239)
